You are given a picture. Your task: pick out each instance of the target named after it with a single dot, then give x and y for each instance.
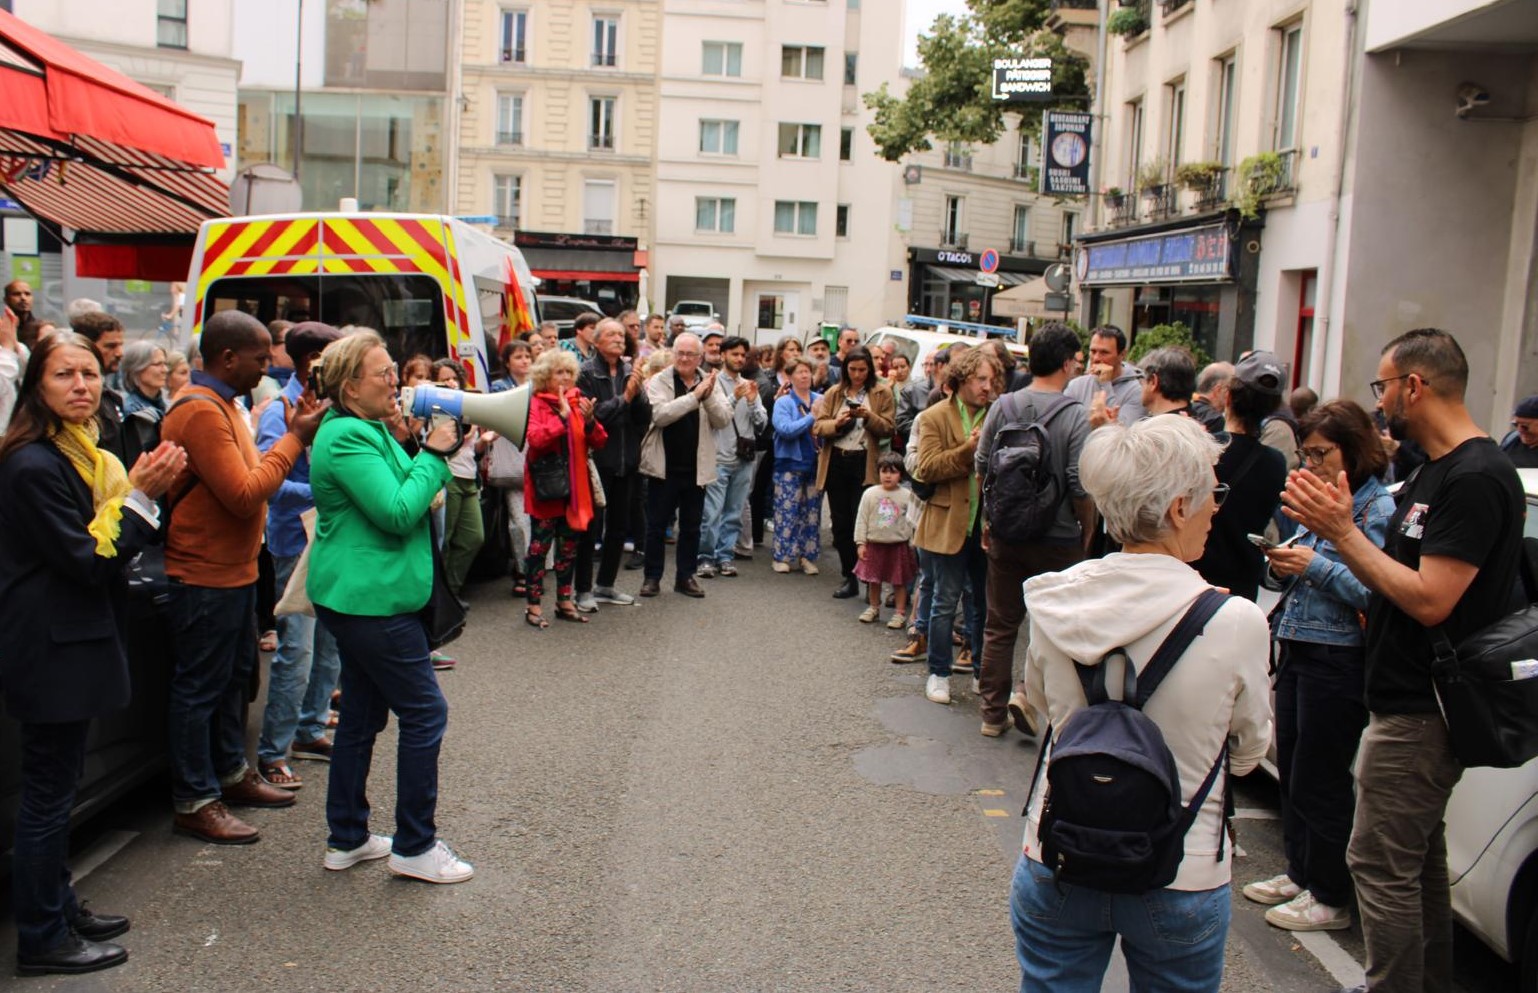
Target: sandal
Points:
(520, 590)
(280, 775)
(269, 642)
(566, 610)
(534, 620)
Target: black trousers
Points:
(761, 496)
(679, 493)
(612, 523)
(845, 486)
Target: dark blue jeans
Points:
(1320, 717)
(678, 492)
(52, 759)
(214, 635)
(386, 667)
(957, 581)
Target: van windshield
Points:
(406, 310)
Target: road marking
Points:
(1255, 814)
(1336, 960)
(995, 813)
(988, 792)
(92, 858)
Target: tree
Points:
(952, 100)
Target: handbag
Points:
(550, 475)
(600, 498)
(443, 616)
(505, 467)
(296, 593)
(1487, 687)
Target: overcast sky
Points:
(921, 14)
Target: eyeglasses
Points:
(389, 374)
(1316, 456)
(1377, 385)
(1219, 495)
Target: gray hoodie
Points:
(1218, 690)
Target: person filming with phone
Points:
(1321, 677)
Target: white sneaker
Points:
(586, 604)
(1270, 892)
(706, 570)
(376, 847)
(809, 567)
(869, 614)
(608, 594)
(938, 689)
(629, 546)
(780, 566)
(1304, 913)
(438, 864)
(897, 622)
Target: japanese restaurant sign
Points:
(1192, 255)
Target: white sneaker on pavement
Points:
(809, 567)
(376, 847)
(780, 566)
(438, 864)
(1270, 892)
(586, 604)
(938, 689)
(706, 570)
(1304, 913)
(608, 594)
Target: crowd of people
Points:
(1083, 509)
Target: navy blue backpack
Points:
(1111, 818)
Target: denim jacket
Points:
(1321, 605)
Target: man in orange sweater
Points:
(218, 509)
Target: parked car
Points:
(695, 313)
(1492, 842)
(564, 311)
(919, 345)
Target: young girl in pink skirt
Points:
(882, 532)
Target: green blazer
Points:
(372, 553)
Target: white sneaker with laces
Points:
(938, 689)
(586, 604)
(608, 594)
(438, 864)
(1270, 892)
(1304, 913)
(376, 847)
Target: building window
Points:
(1070, 232)
(953, 235)
(800, 62)
(846, 144)
(171, 24)
(1020, 232)
(1289, 69)
(721, 58)
(515, 36)
(841, 221)
(598, 206)
(800, 141)
(958, 155)
(795, 217)
(605, 40)
(1175, 132)
(600, 131)
(509, 118)
(507, 200)
(718, 137)
(1134, 140)
(715, 214)
(1228, 94)
(1025, 155)
(851, 63)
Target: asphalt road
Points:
(738, 793)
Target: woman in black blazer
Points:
(71, 519)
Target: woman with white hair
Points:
(1155, 486)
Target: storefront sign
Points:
(547, 239)
(954, 258)
(1022, 80)
(1065, 136)
(1194, 255)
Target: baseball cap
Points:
(1528, 408)
(1262, 371)
(712, 333)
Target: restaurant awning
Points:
(598, 265)
(1025, 300)
(953, 275)
(100, 160)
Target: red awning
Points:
(593, 276)
(95, 156)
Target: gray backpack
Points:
(1022, 490)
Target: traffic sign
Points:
(988, 279)
(989, 260)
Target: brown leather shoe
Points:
(252, 792)
(650, 587)
(689, 586)
(214, 823)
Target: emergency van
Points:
(427, 283)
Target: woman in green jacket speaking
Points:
(371, 572)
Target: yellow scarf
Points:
(104, 474)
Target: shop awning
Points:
(592, 275)
(99, 159)
(953, 275)
(596, 264)
(1023, 300)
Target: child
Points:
(882, 532)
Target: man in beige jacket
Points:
(679, 454)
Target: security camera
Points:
(1470, 96)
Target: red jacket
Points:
(548, 432)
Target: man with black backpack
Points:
(1036, 516)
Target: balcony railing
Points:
(1170, 6)
(1162, 200)
(603, 58)
(958, 160)
(1022, 246)
(1121, 209)
(509, 137)
(950, 239)
(1289, 178)
(514, 55)
(603, 141)
(1075, 4)
(507, 221)
(1211, 193)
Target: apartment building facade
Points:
(557, 137)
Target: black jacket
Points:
(62, 606)
(626, 423)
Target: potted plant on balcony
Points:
(1129, 22)
(1198, 176)
(1114, 197)
(1257, 178)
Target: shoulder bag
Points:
(443, 616)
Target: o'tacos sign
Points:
(1022, 80)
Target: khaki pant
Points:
(1405, 772)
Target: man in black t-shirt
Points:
(1450, 561)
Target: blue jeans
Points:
(52, 759)
(386, 667)
(959, 580)
(724, 500)
(300, 678)
(213, 632)
(1173, 940)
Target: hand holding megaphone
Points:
(505, 413)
